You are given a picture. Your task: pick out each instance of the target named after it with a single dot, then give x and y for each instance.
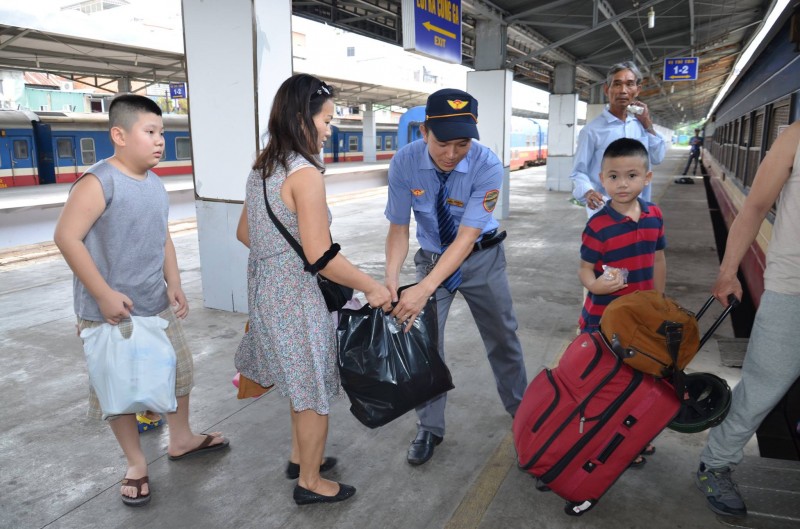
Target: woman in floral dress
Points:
(292, 335)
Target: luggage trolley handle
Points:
(732, 303)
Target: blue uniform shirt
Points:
(473, 187)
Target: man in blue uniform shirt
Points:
(624, 117)
(452, 185)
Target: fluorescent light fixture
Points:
(780, 5)
(651, 18)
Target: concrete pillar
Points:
(562, 133)
(232, 78)
(492, 89)
(491, 86)
(370, 132)
(490, 45)
(597, 102)
(124, 85)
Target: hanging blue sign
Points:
(177, 90)
(680, 69)
(433, 29)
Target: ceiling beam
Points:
(585, 32)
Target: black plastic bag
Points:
(386, 372)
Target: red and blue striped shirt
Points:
(613, 239)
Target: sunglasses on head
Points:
(323, 90)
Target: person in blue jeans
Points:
(771, 364)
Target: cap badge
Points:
(457, 104)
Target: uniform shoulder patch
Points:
(490, 200)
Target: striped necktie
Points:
(447, 230)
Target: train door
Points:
(20, 154)
(44, 152)
(66, 162)
(332, 143)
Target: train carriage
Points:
(765, 100)
(346, 143)
(528, 142)
(57, 147)
(17, 149)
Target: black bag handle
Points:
(733, 302)
(674, 337)
(313, 269)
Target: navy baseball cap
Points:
(452, 114)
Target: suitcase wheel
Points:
(540, 486)
(578, 508)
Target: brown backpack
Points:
(637, 325)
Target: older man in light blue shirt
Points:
(623, 117)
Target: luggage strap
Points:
(674, 336)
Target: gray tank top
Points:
(783, 255)
(127, 242)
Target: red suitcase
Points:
(582, 423)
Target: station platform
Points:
(62, 470)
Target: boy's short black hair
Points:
(625, 147)
(123, 109)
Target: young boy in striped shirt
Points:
(628, 233)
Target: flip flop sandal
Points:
(203, 448)
(638, 464)
(648, 450)
(140, 499)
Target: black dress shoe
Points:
(305, 497)
(421, 448)
(293, 469)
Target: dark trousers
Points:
(692, 156)
(486, 290)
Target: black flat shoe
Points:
(305, 497)
(293, 469)
(421, 449)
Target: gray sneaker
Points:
(720, 490)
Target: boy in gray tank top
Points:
(116, 202)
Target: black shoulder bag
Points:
(336, 295)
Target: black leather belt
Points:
(488, 240)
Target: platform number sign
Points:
(177, 90)
(680, 69)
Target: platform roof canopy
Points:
(590, 34)
(90, 61)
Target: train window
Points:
(21, 149)
(388, 141)
(378, 143)
(352, 143)
(780, 117)
(87, 151)
(64, 148)
(183, 148)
